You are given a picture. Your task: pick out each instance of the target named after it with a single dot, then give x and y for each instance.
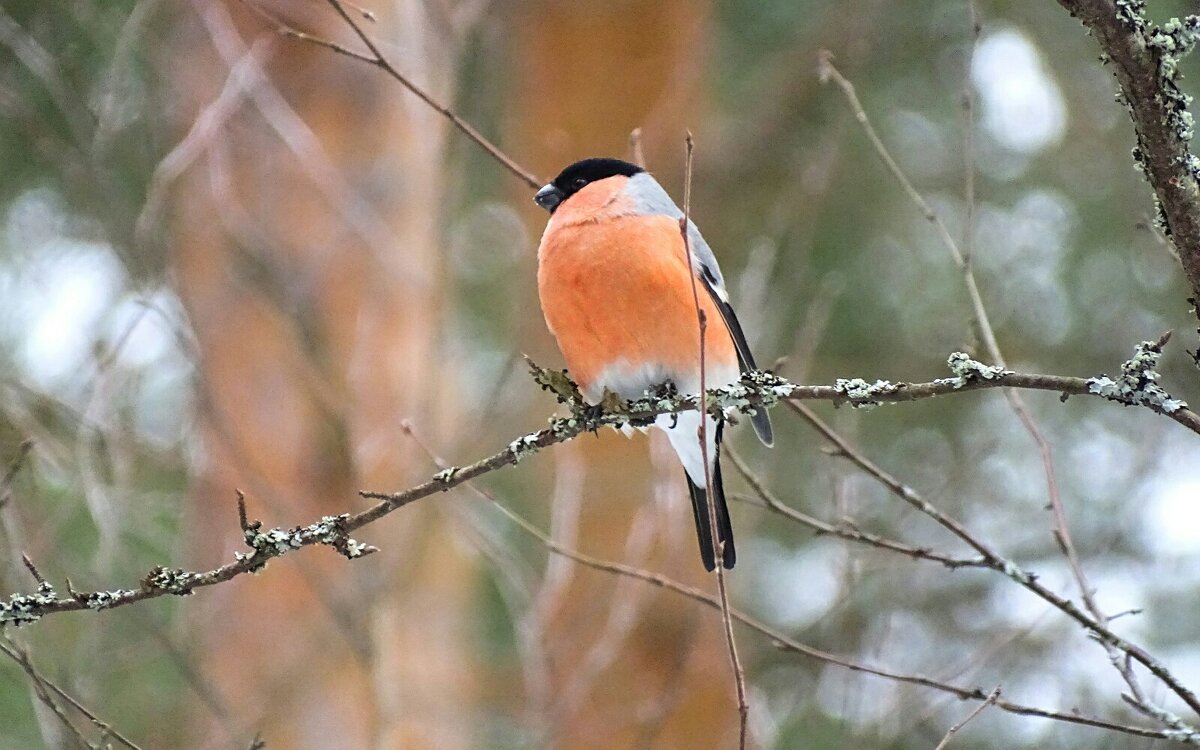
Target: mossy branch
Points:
(1145, 59)
(1136, 386)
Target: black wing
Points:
(761, 420)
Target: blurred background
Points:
(230, 259)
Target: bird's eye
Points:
(579, 182)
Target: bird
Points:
(620, 299)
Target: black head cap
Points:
(577, 176)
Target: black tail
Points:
(708, 554)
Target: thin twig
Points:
(636, 154)
(620, 621)
(789, 644)
(845, 530)
(14, 466)
(1096, 627)
(739, 677)
(1060, 528)
(828, 72)
(377, 59)
(41, 683)
(968, 106)
(991, 700)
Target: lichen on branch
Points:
(754, 391)
(1144, 57)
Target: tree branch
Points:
(718, 544)
(376, 58)
(1136, 386)
(43, 688)
(1145, 59)
(786, 643)
(1096, 624)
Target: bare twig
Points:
(789, 644)
(636, 154)
(203, 131)
(621, 616)
(43, 687)
(1097, 627)
(968, 106)
(755, 390)
(991, 700)
(844, 530)
(377, 59)
(14, 466)
(33, 571)
(739, 677)
(983, 325)
(1060, 527)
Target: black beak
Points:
(549, 197)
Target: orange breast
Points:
(620, 289)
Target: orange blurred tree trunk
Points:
(588, 77)
(305, 245)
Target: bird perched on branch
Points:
(618, 296)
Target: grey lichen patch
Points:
(354, 549)
(329, 531)
(756, 389)
(1137, 385)
(1166, 45)
(1172, 41)
(1014, 571)
(565, 427)
(275, 541)
(1175, 38)
(98, 600)
(446, 475)
(1132, 12)
(557, 382)
(526, 445)
(21, 609)
(172, 580)
(1184, 734)
(1178, 730)
(863, 395)
(967, 370)
(642, 411)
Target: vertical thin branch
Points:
(1061, 530)
(828, 72)
(968, 106)
(636, 154)
(718, 545)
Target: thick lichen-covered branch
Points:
(756, 390)
(1145, 59)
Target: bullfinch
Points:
(617, 294)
